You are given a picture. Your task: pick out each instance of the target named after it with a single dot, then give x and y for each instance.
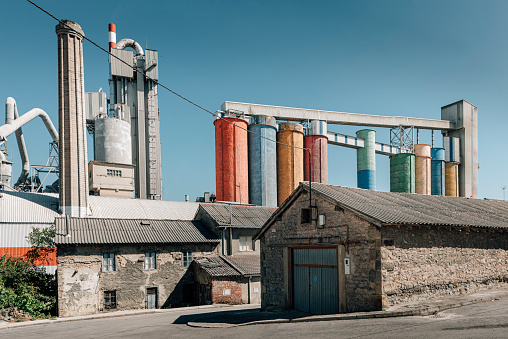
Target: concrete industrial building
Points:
(346, 249)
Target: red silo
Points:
(231, 160)
(318, 145)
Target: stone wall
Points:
(81, 281)
(361, 289)
(422, 262)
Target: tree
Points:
(25, 286)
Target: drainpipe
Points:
(250, 301)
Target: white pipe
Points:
(8, 129)
(130, 43)
(25, 171)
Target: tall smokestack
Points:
(112, 36)
(71, 120)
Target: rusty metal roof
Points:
(237, 215)
(417, 209)
(130, 231)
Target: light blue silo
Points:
(366, 160)
(262, 161)
(437, 169)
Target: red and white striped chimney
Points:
(112, 36)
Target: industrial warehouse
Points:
(276, 232)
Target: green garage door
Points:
(315, 280)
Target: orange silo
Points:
(422, 169)
(289, 159)
(231, 160)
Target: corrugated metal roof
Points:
(122, 208)
(245, 264)
(43, 208)
(130, 231)
(22, 207)
(241, 216)
(405, 208)
(217, 267)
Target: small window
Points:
(186, 258)
(109, 300)
(305, 215)
(150, 261)
(114, 173)
(108, 262)
(246, 243)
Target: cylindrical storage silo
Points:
(113, 141)
(451, 179)
(422, 169)
(402, 173)
(318, 145)
(5, 172)
(289, 159)
(262, 161)
(231, 160)
(366, 160)
(437, 170)
(452, 149)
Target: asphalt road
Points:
(484, 320)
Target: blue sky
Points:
(402, 58)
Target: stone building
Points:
(120, 264)
(347, 249)
(228, 279)
(234, 277)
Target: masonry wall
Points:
(81, 281)
(423, 262)
(226, 290)
(359, 291)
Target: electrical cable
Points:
(175, 93)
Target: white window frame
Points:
(150, 260)
(186, 258)
(108, 262)
(245, 243)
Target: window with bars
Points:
(109, 300)
(108, 262)
(246, 243)
(114, 173)
(150, 260)
(186, 258)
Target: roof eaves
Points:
(278, 212)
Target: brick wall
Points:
(422, 262)
(219, 285)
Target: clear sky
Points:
(401, 58)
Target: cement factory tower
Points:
(135, 96)
(71, 120)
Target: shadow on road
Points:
(238, 317)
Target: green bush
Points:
(26, 287)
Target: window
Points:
(108, 262)
(305, 215)
(114, 173)
(109, 300)
(150, 260)
(246, 243)
(186, 258)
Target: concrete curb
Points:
(424, 309)
(8, 325)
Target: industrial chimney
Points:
(71, 120)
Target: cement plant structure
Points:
(414, 168)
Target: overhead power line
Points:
(174, 92)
